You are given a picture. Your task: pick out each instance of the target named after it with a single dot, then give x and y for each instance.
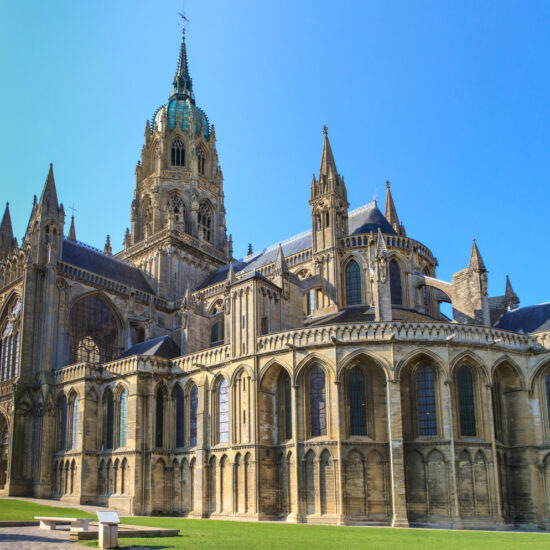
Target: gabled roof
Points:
(361, 220)
(81, 256)
(163, 346)
(526, 319)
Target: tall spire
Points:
(48, 201)
(72, 231)
(7, 242)
(182, 81)
(476, 261)
(328, 166)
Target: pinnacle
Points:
(48, 200)
(72, 231)
(328, 166)
(6, 231)
(391, 212)
(476, 261)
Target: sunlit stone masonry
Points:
(314, 381)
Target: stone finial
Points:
(250, 251)
(72, 231)
(476, 261)
(107, 249)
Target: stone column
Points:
(447, 431)
(296, 473)
(495, 497)
(201, 481)
(397, 464)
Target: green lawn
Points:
(208, 534)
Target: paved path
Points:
(25, 538)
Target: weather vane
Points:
(73, 209)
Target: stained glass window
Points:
(285, 407)
(93, 331)
(159, 425)
(205, 222)
(122, 418)
(318, 403)
(357, 393)
(193, 409)
(425, 396)
(548, 394)
(178, 153)
(109, 404)
(216, 333)
(395, 283)
(74, 423)
(180, 418)
(497, 412)
(223, 412)
(466, 402)
(62, 444)
(353, 283)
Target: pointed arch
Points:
(396, 288)
(352, 274)
(206, 221)
(94, 329)
(177, 152)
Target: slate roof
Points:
(362, 220)
(163, 346)
(81, 256)
(526, 319)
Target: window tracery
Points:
(205, 222)
(93, 331)
(178, 153)
(9, 341)
(177, 207)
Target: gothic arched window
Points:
(109, 419)
(193, 410)
(310, 302)
(177, 207)
(223, 412)
(159, 420)
(122, 418)
(9, 341)
(357, 395)
(317, 402)
(180, 418)
(178, 153)
(547, 384)
(284, 401)
(93, 331)
(425, 397)
(353, 283)
(466, 405)
(205, 222)
(395, 283)
(201, 161)
(63, 414)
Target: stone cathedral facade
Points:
(315, 381)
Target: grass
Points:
(229, 535)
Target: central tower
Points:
(178, 230)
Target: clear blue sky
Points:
(450, 101)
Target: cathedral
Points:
(314, 381)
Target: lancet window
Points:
(284, 402)
(201, 161)
(353, 283)
(357, 396)
(193, 410)
(122, 418)
(317, 402)
(62, 411)
(466, 405)
(223, 412)
(180, 418)
(108, 419)
(395, 283)
(73, 412)
(425, 398)
(547, 384)
(159, 424)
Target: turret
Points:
(329, 223)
